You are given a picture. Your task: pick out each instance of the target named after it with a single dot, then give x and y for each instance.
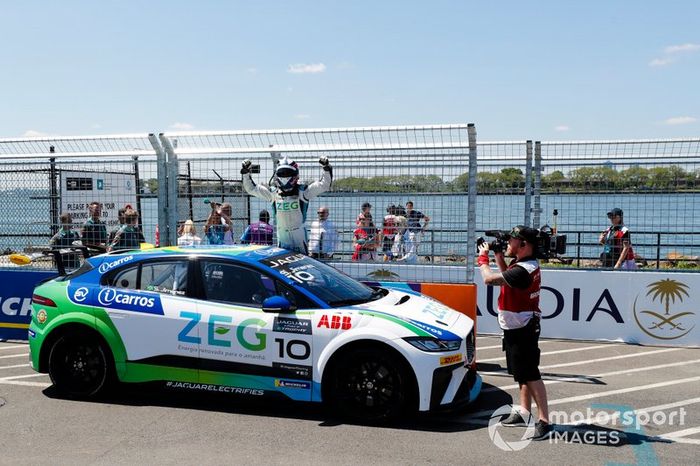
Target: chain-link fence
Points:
(381, 168)
(654, 182)
(48, 185)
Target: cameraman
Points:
(519, 317)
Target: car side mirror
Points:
(278, 304)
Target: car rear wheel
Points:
(78, 366)
(369, 385)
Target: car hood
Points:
(416, 308)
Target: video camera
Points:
(548, 244)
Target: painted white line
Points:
(479, 348)
(15, 366)
(14, 356)
(26, 376)
(12, 346)
(611, 358)
(616, 415)
(570, 350)
(591, 396)
(555, 380)
(25, 384)
(681, 433)
(689, 441)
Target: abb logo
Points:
(335, 322)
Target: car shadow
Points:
(157, 394)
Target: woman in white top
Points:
(188, 235)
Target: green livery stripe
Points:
(136, 372)
(407, 325)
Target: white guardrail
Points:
(647, 308)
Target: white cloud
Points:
(681, 120)
(251, 70)
(302, 116)
(671, 53)
(682, 48)
(30, 133)
(181, 126)
(561, 128)
(300, 68)
(661, 61)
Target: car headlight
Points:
(434, 345)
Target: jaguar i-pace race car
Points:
(251, 320)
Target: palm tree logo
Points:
(664, 326)
(667, 290)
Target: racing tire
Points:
(370, 385)
(79, 366)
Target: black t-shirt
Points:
(518, 277)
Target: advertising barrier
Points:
(16, 288)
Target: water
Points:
(645, 214)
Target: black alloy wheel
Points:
(370, 385)
(78, 366)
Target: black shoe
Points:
(514, 419)
(542, 430)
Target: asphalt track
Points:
(587, 383)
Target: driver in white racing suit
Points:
(289, 199)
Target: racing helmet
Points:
(287, 174)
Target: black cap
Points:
(615, 211)
(366, 205)
(528, 234)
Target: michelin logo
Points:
(107, 266)
(109, 296)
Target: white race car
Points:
(252, 320)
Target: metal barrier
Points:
(168, 177)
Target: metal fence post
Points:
(471, 200)
(137, 189)
(538, 185)
(162, 172)
(53, 194)
(528, 182)
(172, 171)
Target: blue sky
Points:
(520, 70)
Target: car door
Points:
(244, 347)
(157, 321)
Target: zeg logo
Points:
(107, 266)
(80, 294)
(109, 296)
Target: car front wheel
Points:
(370, 385)
(78, 366)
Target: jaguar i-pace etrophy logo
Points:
(664, 324)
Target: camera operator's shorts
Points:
(522, 351)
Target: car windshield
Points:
(323, 281)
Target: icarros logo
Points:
(107, 266)
(109, 297)
(80, 294)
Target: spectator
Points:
(323, 239)
(365, 212)
(389, 232)
(617, 244)
(365, 241)
(64, 239)
(259, 232)
(414, 230)
(122, 222)
(188, 235)
(129, 236)
(94, 231)
(519, 318)
(397, 249)
(218, 228)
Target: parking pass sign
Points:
(113, 190)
